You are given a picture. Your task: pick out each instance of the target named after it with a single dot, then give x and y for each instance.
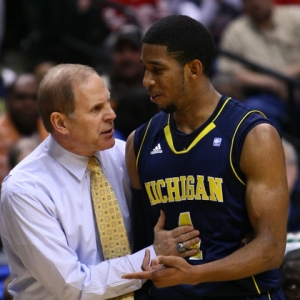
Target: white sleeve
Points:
(37, 238)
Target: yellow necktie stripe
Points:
(110, 224)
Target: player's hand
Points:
(165, 271)
(165, 241)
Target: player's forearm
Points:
(255, 257)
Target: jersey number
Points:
(185, 219)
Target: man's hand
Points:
(148, 265)
(165, 241)
(164, 271)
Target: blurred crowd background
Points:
(34, 35)
(257, 62)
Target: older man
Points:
(54, 209)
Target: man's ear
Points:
(195, 67)
(58, 121)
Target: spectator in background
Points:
(290, 274)
(129, 97)
(7, 77)
(203, 11)
(291, 161)
(133, 109)
(21, 118)
(292, 171)
(214, 14)
(70, 31)
(126, 68)
(293, 2)
(267, 35)
(20, 150)
(40, 68)
(228, 85)
(2, 22)
(143, 13)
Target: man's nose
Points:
(147, 80)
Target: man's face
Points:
(259, 10)
(291, 280)
(22, 103)
(127, 60)
(164, 78)
(92, 128)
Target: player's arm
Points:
(164, 241)
(138, 218)
(130, 159)
(267, 196)
(263, 163)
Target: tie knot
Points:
(93, 164)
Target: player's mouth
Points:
(153, 97)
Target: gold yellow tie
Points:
(110, 224)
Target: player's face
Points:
(92, 128)
(164, 78)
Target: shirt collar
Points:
(76, 164)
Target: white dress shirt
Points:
(48, 229)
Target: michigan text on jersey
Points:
(185, 188)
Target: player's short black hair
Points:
(185, 38)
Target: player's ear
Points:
(195, 68)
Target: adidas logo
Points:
(156, 150)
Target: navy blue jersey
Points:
(196, 179)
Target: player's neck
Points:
(197, 112)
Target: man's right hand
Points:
(165, 241)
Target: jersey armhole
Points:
(139, 137)
(239, 138)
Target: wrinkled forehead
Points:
(94, 87)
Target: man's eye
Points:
(156, 70)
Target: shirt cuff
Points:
(137, 258)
